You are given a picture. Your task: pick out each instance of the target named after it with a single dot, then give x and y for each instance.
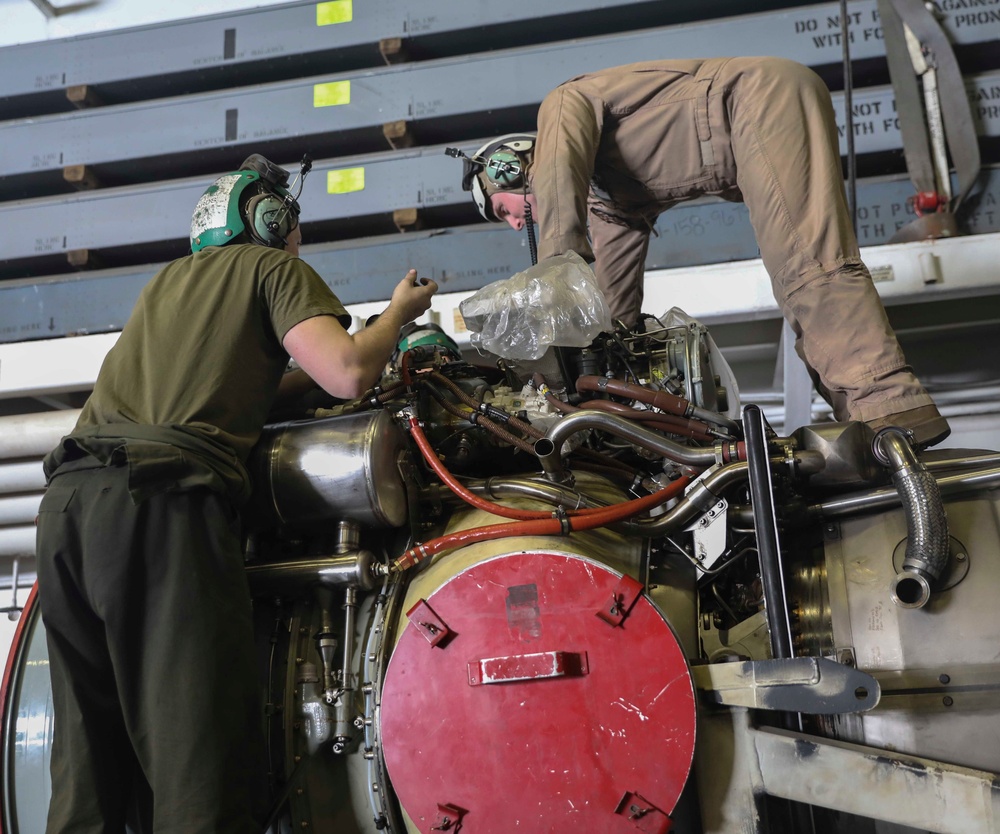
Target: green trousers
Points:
(148, 618)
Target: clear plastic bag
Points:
(555, 302)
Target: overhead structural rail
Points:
(304, 38)
(436, 101)
(460, 259)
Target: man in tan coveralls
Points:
(619, 146)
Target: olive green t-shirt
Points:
(195, 371)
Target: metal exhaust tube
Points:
(549, 448)
(927, 547)
(353, 569)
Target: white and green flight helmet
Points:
(251, 205)
(499, 165)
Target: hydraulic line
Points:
(488, 506)
(527, 428)
(478, 419)
(661, 420)
(669, 423)
(404, 369)
(473, 403)
(549, 448)
(700, 498)
(670, 403)
(538, 527)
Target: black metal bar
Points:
(766, 524)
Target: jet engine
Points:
(602, 596)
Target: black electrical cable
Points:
(529, 225)
(852, 162)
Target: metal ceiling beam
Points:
(305, 38)
(438, 101)
(688, 236)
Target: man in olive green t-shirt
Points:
(140, 570)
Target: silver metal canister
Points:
(335, 468)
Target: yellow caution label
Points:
(336, 11)
(345, 180)
(332, 93)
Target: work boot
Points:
(926, 423)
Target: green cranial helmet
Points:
(500, 165)
(252, 205)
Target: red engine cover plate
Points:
(535, 714)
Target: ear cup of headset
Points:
(499, 165)
(505, 169)
(268, 221)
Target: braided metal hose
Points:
(927, 543)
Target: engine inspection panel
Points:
(538, 691)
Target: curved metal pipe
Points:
(549, 448)
(700, 497)
(926, 523)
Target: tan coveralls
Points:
(622, 145)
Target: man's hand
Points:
(345, 365)
(412, 297)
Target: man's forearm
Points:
(376, 344)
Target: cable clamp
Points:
(564, 522)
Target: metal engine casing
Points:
(491, 664)
(937, 665)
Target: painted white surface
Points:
(23, 22)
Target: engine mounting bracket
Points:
(812, 685)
